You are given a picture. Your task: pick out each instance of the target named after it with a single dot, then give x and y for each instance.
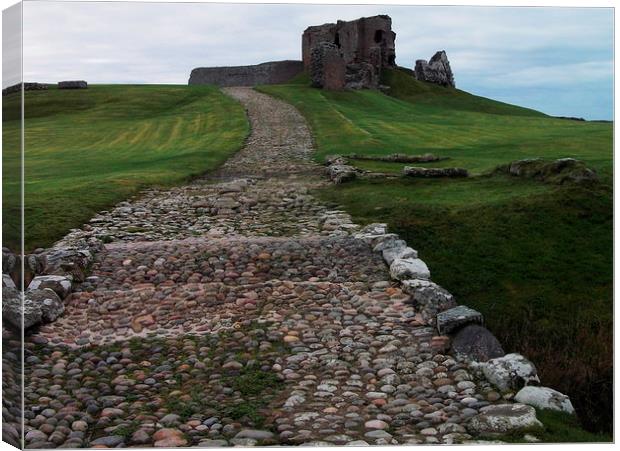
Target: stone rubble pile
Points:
(560, 171)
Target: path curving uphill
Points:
(239, 310)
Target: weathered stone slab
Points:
(545, 398)
(450, 320)
(504, 419)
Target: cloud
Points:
(491, 49)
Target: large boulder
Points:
(545, 398)
(510, 373)
(61, 285)
(475, 342)
(437, 70)
(37, 306)
(504, 419)
(428, 297)
(72, 84)
(450, 320)
(47, 301)
(13, 309)
(409, 268)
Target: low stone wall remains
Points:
(27, 87)
(260, 74)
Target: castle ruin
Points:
(336, 56)
(349, 54)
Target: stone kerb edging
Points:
(49, 276)
(461, 330)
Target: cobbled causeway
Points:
(240, 310)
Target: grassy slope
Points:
(88, 149)
(476, 133)
(535, 259)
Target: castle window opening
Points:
(378, 36)
(337, 40)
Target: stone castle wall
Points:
(259, 74)
(354, 52)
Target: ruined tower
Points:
(349, 54)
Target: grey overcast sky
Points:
(557, 60)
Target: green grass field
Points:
(535, 259)
(88, 149)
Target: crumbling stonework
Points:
(27, 87)
(363, 47)
(72, 84)
(437, 70)
(327, 69)
(260, 74)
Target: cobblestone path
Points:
(239, 310)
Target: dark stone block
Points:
(477, 343)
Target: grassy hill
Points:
(416, 118)
(88, 149)
(535, 259)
